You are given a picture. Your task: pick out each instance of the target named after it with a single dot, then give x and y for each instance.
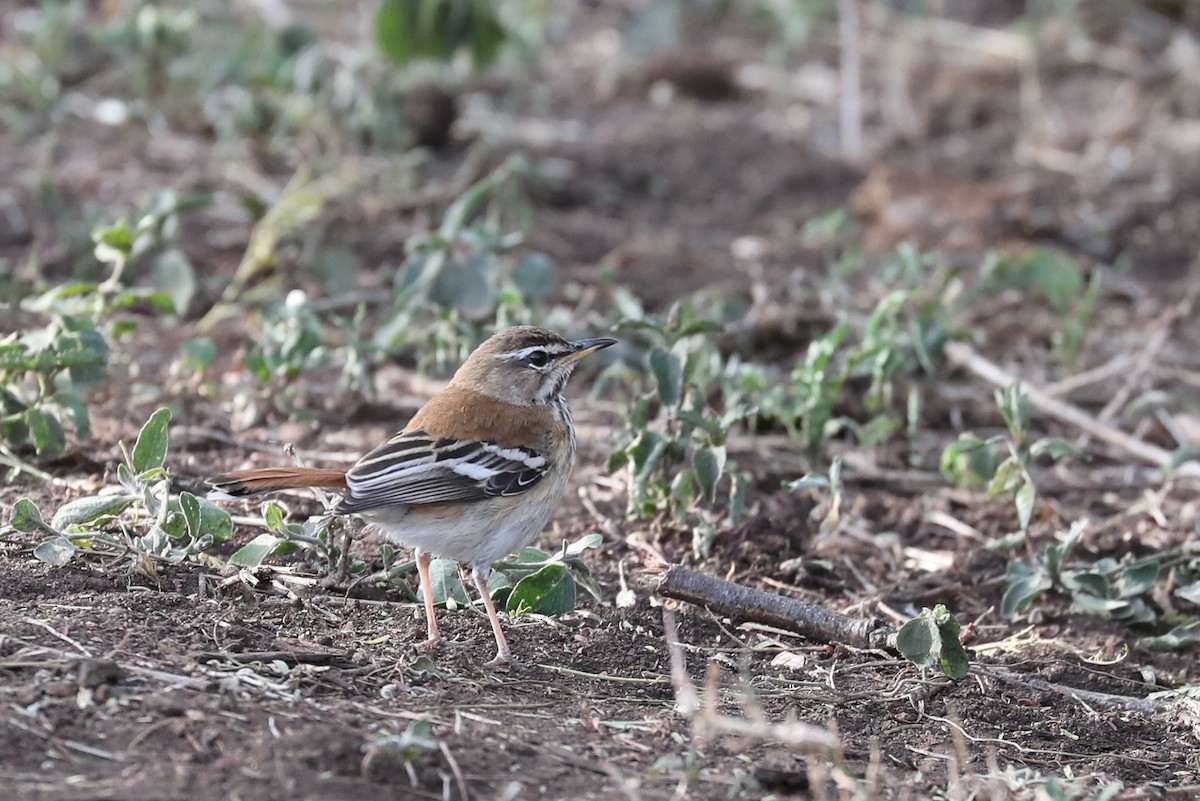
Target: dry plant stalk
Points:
(707, 721)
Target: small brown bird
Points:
(475, 474)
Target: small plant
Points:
(1003, 463)
(408, 30)
(317, 533)
(868, 355)
(931, 639)
(1107, 587)
(464, 278)
(289, 346)
(154, 35)
(674, 451)
(830, 512)
(47, 373)
(1059, 280)
(407, 748)
(529, 581)
(140, 519)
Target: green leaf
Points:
(90, 511)
(584, 543)
(953, 657)
(150, 450)
(273, 516)
(1177, 639)
(915, 641)
(1054, 447)
(699, 327)
(806, 482)
(1020, 593)
(1190, 593)
(535, 276)
(681, 493)
(932, 638)
(258, 549)
(1138, 578)
(117, 237)
(645, 452)
(189, 504)
(127, 479)
(68, 400)
(411, 29)
(447, 585)
(173, 275)
(393, 25)
(1025, 499)
(709, 464)
(47, 432)
(214, 522)
(199, 353)
(500, 584)
(550, 591)
(668, 374)
(56, 551)
(26, 517)
(466, 284)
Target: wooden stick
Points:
(850, 106)
(963, 355)
(750, 605)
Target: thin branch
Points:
(965, 356)
(750, 605)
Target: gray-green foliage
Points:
(436, 30)
(1107, 587)
(466, 279)
(47, 372)
(1003, 463)
(529, 581)
(1059, 280)
(317, 534)
(931, 639)
(674, 445)
(140, 518)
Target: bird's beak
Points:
(585, 347)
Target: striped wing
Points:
(415, 468)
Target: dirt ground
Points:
(116, 687)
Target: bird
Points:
(474, 475)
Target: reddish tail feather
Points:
(270, 479)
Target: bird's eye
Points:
(539, 358)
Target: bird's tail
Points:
(270, 479)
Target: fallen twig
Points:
(1090, 697)
(73, 745)
(288, 657)
(750, 605)
(965, 356)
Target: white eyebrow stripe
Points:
(552, 349)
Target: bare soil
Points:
(116, 685)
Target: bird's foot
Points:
(503, 659)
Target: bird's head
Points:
(525, 365)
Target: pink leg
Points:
(423, 560)
(503, 655)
